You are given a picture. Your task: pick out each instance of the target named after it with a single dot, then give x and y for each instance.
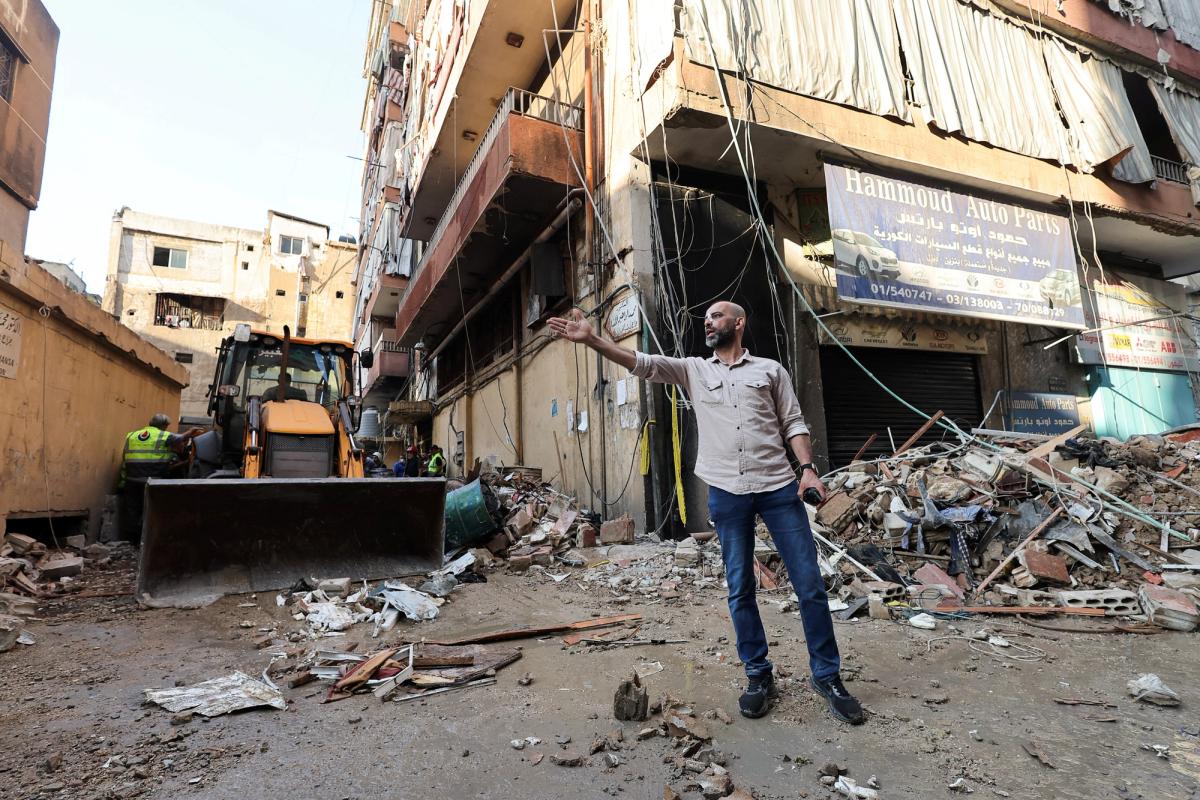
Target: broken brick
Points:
(932, 574)
(617, 531)
(1045, 567)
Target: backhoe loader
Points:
(276, 491)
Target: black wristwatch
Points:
(809, 465)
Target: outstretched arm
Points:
(576, 328)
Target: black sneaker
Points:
(756, 700)
(841, 703)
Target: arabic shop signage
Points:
(10, 342)
(1139, 326)
(908, 245)
(1041, 412)
(904, 335)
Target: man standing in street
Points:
(149, 452)
(746, 409)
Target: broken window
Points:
(189, 311)
(339, 295)
(281, 293)
(245, 265)
(183, 358)
(291, 245)
(547, 281)
(8, 68)
(170, 257)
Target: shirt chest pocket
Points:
(756, 394)
(712, 392)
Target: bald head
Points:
(724, 323)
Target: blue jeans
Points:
(787, 521)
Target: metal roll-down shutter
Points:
(856, 407)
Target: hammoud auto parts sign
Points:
(921, 247)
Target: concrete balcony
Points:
(385, 297)
(495, 46)
(392, 366)
(521, 172)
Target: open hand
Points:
(574, 326)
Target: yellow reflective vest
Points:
(147, 454)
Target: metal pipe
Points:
(573, 204)
(589, 229)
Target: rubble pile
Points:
(30, 571)
(1074, 525)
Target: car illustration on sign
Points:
(862, 255)
(1060, 288)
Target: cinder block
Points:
(1115, 602)
(884, 589)
(1168, 608)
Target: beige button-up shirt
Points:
(745, 411)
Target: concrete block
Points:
(1168, 608)
(932, 574)
(687, 553)
(96, 551)
(541, 556)
(885, 589)
(588, 536)
(334, 587)
(1115, 602)
(520, 523)
(837, 510)
(520, 563)
(10, 631)
(1045, 567)
(61, 567)
(22, 544)
(877, 607)
(76, 542)
(1022, 578)
(617, 531)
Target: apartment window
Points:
(303, 297)
(170, 257)
(245, 265)
(339, 295)
(183, 358)
(189, 311)
(281, 293)
(302, 331)
(490, 337)
(249, 248)
(8, 68)
(291, 245)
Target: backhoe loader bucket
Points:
(202, 539)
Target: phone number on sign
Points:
(902, 292)
(971, 301)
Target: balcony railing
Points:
(1168, 170)
(516, 101)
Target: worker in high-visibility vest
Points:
(149, 452)
(437, 463)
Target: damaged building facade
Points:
(186, 285)
(980, 207)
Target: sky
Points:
(212, 110)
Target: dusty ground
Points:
(72, 721)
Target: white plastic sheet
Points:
(981, 76)
(844, 51)
(1102, 123)
(1182, 112)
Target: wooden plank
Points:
(921, 431)
(1074, 612)
(1046, 448)
(1050, 520)
(529, 633)
(433, 662)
